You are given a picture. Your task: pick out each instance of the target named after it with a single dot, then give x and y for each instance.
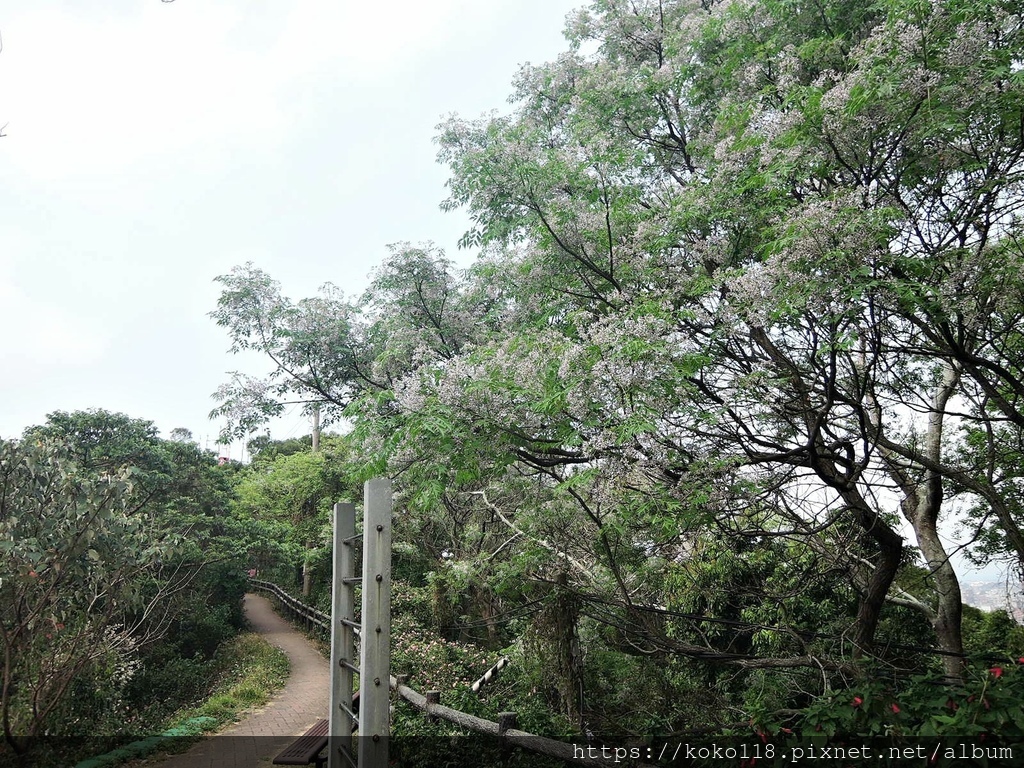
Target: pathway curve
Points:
(253, 742)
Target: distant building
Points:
(995, 595)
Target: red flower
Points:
(996, 671)
(1021, 660)
(895, 708)
(857, 701)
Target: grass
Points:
(251, 671)
(248, 671)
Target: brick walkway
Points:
(253, 742)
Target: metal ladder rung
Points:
(349, 757)
(349, 712)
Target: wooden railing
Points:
(505, 729)
(307, 613)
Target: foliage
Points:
(992, 633)
(451, 667)
(986, 705)
(292, 493)
(122, 574)
(245, 672)
(743, 334)
(297, 488)
(72, 609)
(264, 450)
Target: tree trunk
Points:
(869, 612)
(921, 507)
(949, 611)
(555, 642)
(568, 660)
(890, 554)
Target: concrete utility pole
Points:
(316, 427)
(307, 575)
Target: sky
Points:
(151, 146)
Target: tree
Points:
(178, 487)
(182, 435)
(776, 163)
(297, 489)
(264, 450)
(745, 275)
(133, 555)
(101, 441)
(74, 552)
(314, 345)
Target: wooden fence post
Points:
(506, 721)
(432, 697)
(343, 657)
(375, 642)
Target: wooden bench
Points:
(307, 748)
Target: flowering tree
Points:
(801, 218)
(746, 311)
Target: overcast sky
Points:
(152, 146)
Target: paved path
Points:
(253, 742)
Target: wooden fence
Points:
(504, 729)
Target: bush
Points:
(987, 704)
